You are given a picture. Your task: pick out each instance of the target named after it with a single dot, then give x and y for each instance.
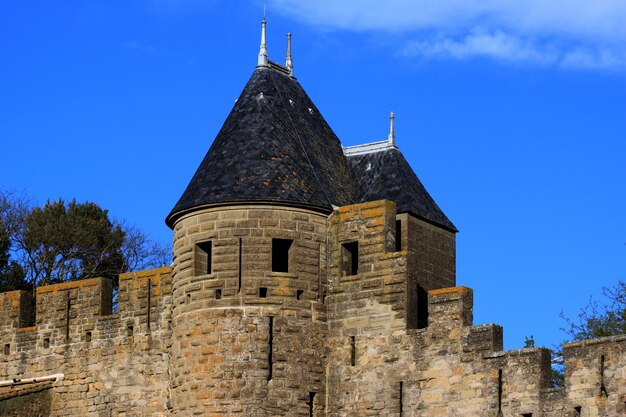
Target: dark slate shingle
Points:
(275, 146)
(387, 175)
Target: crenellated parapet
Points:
(73, 312)
(455, 368)
(106, 353)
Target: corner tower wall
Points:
(247, 340)
(431, 263)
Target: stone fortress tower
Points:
(260, 251)
(308, 280)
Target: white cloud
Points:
(569, 33)
(493, 45)
(505, 47)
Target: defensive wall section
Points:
(113, 363)
(380, 363)
(283, 311)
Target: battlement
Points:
(81, 311)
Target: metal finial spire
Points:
(288, 61)
(392, 133)
(263, 50)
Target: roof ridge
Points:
(383, 145)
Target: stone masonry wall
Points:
(431, 264)
(248, 340)
(115, 364)
(363, 307)
(29, 403)
(334, 333)
(378, 365)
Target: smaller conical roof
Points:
(386, 174)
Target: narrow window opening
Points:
(188, 300)
(299, 294)
(67, 318)
(527, 415)
(280, 254)
(422, 307)
(319, 271)
(46, 343)
(401, 398)
(603, 390)
(149, 316)
(311, 403)
(499, 389)
(130, 330)
(204, 258)
(88, 337)
(270, 346)
(352, 350)
(262, 292)
(577, 411)
(218, 294)
(350, 261)
(240, 265)
(398, 235)
(7, 349)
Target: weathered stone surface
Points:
(354, 322)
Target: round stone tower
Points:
(250, 235)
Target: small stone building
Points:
(308, 280)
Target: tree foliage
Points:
(72, 241)
(600, 319)
(596, 319)
(11, 273)
(67, 241)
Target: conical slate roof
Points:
(386, 174)
(274, 147)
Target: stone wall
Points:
(431, 264)
(328, 320)
(29, 402)
(255, 348)
(115, 364)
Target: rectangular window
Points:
(350, 258)
(130, 330)
(398, 235)
(204, 257)
(88, 337)
(7, 349)
(46, 343)
(281, 249)
(422, 307)
(299, 294)
(218, 294)
(262, 292)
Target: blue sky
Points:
(512, 113)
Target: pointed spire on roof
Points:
(392, 133)
(263, 60)
(288, 61)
